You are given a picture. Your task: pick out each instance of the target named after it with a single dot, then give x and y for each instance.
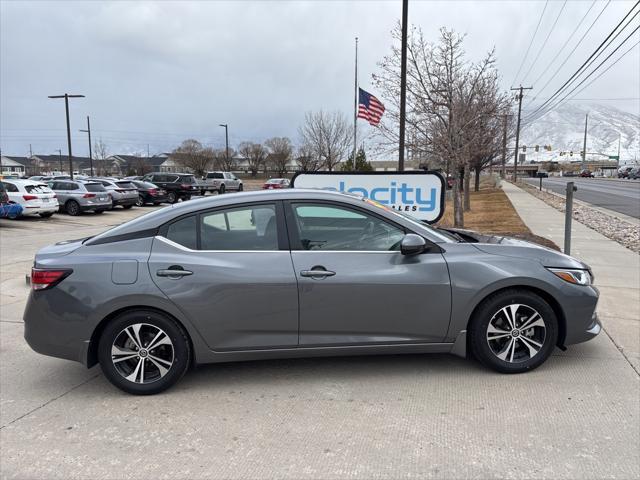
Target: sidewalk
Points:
(616, 269)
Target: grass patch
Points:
(492, 213)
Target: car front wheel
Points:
(143, 352)
(513, 331)
(172, 197)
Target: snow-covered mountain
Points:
(563, 129)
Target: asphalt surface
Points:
(414, 416)
(622, 196)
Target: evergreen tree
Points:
(361, 163)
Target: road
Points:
(412, 416)
(619, 196)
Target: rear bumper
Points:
(96, 206)
(36, 210)
(125, 201)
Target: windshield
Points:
(37, 189)
(126, 184)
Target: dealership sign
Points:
(420, 194)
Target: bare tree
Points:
(447, 98)
(255, 153)
(280, 151)
(306, 160)
(193, 156)
(101, 153)
(222, 162)
(328, 135)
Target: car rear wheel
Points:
(99, 211)
(72, 208)
(140, 201)
(172, 197)
(46, 215)
(143, 352)
(513, 331)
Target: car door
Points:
(355, 287)
(232, 181)
(229, 271)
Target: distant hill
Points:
(563, 129)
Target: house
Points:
(13, 165)
(136, 165)
(58, 164)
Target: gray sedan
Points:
(298, 273)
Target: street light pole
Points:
(226, 140)
(60, 158)
(88, 130)
(66, 97)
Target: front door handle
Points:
(317, 272)
(174, 272)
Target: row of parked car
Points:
(46, 195)
(629, 171)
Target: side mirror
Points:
(412, 244)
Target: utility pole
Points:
(30, 151)
(66, 97)
(355, 110)
(226, 140)
(504, 145)
(515, 163)
(403, 84)
(618, 162)
(88, 130)
(584, 143)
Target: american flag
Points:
(370, 108)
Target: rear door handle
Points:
(317, 273)
(174, 273)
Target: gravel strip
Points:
(625, 233)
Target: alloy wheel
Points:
(142, 353)
(516, 333)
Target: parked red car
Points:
(276, 183)
(586, 173)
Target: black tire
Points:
(127, 207)
(203, 192)
(140, 202)
(46, 215)
(222, 189)
(180, 352)
(98, 212)
(240, 188)
(172, 197)
(72, 208)
(487, 345)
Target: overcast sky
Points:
(159, 72)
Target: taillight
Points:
(29, 197)
(120, 190)
(153, 191)
(89, 195)
(185, 186)
(42, 279)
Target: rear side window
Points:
(187, 179)
(69, 186)
(94, 187)
(184, 232)
(171, 178)
(244, 228)
(10, 187)
(214, 175)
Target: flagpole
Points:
(355, 109)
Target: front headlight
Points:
(577, 277)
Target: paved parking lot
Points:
(415, 416)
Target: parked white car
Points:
(36, 198)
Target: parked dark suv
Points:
(177, 185)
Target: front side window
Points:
(331, 227)
(243, 228)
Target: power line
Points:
(558, 103)
(565, 44)
(568, 56)
(544, 44)
(531, 43)
(589, 60)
